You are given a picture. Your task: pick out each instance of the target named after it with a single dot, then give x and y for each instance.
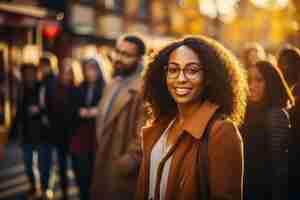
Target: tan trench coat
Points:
(118, 152)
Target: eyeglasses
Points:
(123, 55)
(190, 71)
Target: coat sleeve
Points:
(226, 163)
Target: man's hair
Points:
(140, 44)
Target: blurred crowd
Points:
(97, 124)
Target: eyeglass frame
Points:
(183, 70)
(125, 56)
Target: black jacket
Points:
(265, 136)
(60, 104)
(26, 125)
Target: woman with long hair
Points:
(195, 92)
(265, 133)
(60, 101)
(83, 143)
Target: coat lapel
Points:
(107, 95)
(103, 106)
(150, 136)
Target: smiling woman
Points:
(194, 90)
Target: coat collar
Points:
(195, 125)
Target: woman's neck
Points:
(186, 110)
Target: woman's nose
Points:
(181, 76)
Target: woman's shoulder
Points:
(277, 116)
(224, 127)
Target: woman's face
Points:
(185, 76)
(257, 85)
(66, 75)
(90, 72)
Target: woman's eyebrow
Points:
(174, 63)
(189, 63)
(193, 63)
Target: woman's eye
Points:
(192, 71)
(173, 70)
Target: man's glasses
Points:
(123, 55)
(191, 71)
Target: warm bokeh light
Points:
(31, 54)
(209, 8)
(89, 51)
(225, 9)
(78, 76)
(273, 4)
(53, 60)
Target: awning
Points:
(28, 10)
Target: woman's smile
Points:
(182, 91)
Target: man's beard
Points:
(125, 71)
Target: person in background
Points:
(294, 150)
(252, 53)
(118, 125)
(47, 81)
(46, 72)
(266, 133)
(27, 122)
(195, 90)
(289, 62)
(60, 102)
(84, 139)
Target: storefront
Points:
(20, 41)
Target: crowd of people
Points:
(193, 122)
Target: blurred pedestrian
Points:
(47, 81)
(118, 125)
(27, 122)
(46, 71)
(252, 53)
(84, 139)
(60, 101)
(289, 62)
(266, 132)
(294, 151)
(195, 92)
